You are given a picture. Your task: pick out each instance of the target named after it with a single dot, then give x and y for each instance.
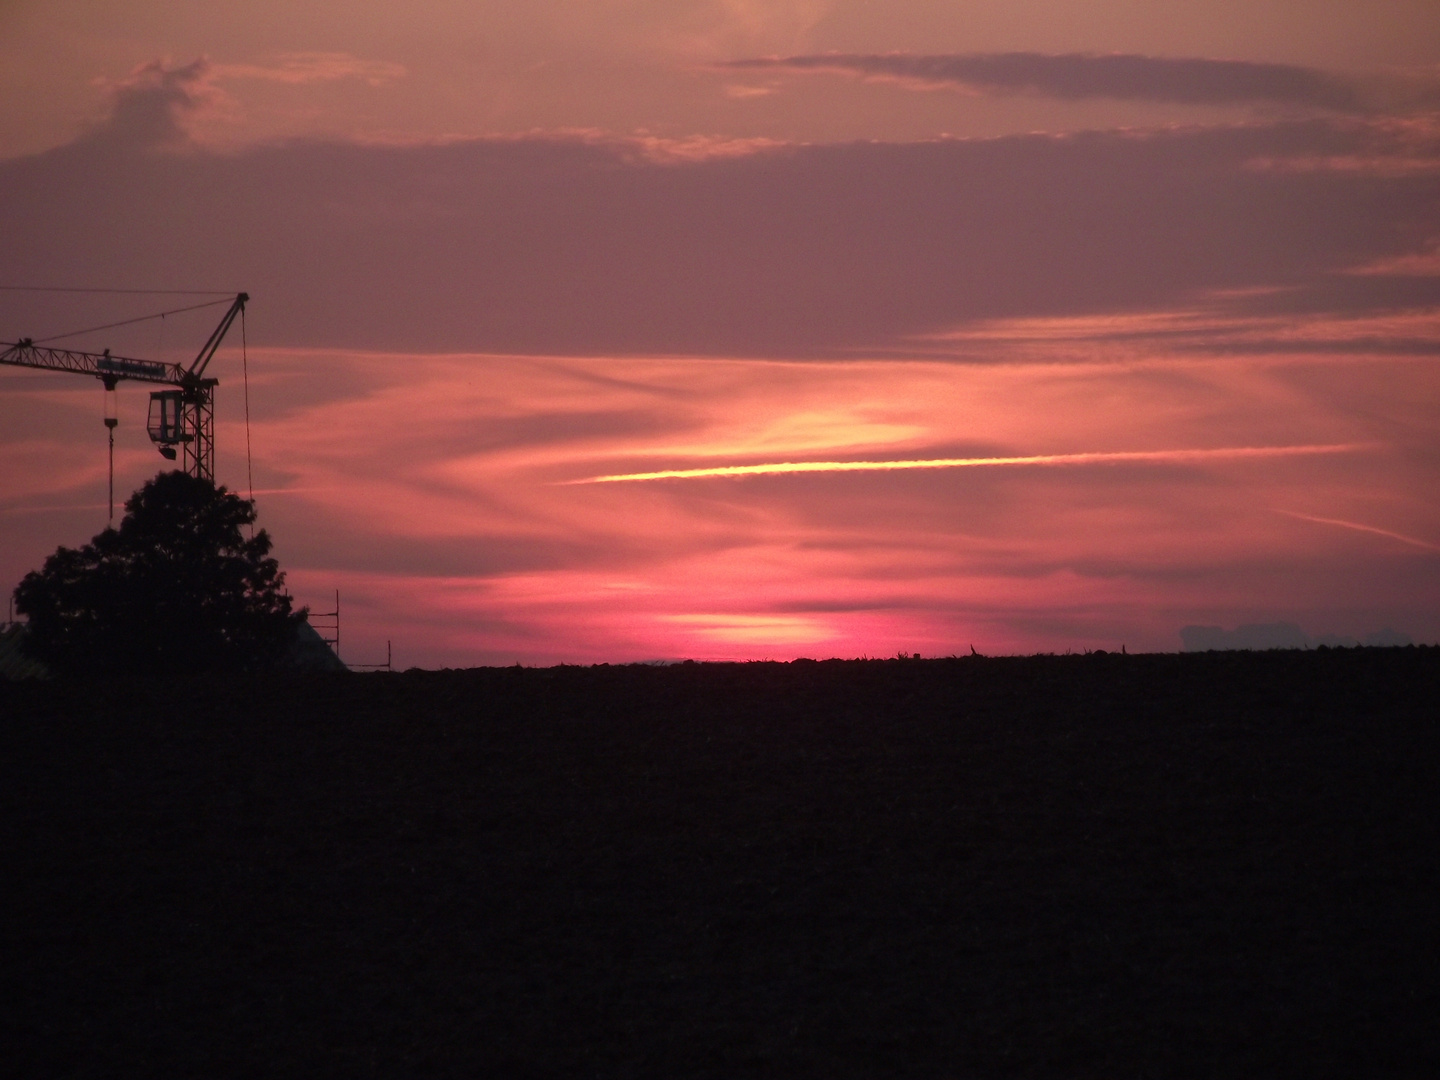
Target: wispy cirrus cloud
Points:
(1119, 76)
(424, 488)
(1361, 527)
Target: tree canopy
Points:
(176, 588)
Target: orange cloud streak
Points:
(1090, 458)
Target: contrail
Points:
(1096, 458)
(1358, 527)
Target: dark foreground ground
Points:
(1205, 865)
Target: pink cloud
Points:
(705, 246)
(146, 107)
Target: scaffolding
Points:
(325, 622)
(329, 623)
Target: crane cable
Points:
(128, 322)
(245, 367)
(135, 292)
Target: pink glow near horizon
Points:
(481, 463)
(1116, 547)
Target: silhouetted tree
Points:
(177, 588)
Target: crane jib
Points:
(25, 353)
(182, 419)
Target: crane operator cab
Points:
(167, 421)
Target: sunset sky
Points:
(613, 330)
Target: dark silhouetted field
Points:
(1185, 865)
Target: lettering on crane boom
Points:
(119, 365)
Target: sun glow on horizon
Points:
(751, 628)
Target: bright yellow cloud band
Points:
(1096, 458)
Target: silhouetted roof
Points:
(309, 652)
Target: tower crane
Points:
(182, 418)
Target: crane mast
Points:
(182, 418)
